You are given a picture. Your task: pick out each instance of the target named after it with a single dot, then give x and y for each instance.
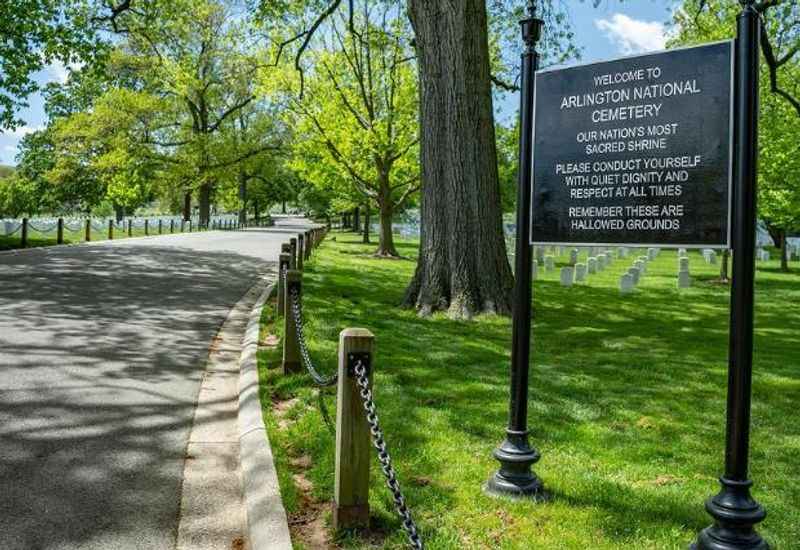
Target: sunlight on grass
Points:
(627, 405)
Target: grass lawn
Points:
(627, 407)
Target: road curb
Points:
(267, 524)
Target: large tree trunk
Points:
(386, 246)
(462, 266)
(784, 252)
(723, 268)
(187, 205)
(119, 212)
(257, 211)
(367, 222)
(243, 199)
(205, 204)
(356, 220)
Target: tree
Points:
(699, 21)
(358, 114)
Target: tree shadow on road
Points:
(102, 349)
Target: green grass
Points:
(37, 239)
(627, 405)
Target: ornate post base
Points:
(515, 477)
(735, 513)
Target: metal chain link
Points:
(383, 457)
(319, 379)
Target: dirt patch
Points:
(237, 544)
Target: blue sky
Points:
(614, 28)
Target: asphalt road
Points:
(102, 349)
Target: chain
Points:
(319, 379)
(383, 457)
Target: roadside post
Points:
(293, 251)
(351, 478)
(24, 233)
(300, 251)
(110, 230)
(283, 267)
(88, 230)
(60, 231)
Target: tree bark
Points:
(367, 215)
(386, 246)
(119, 212)
(723, 268)
(243, 198)
(356, 220)
(283, 207)
(187, 206)
(257, 211)
(463, 265)
(784, 252)
(205, 204)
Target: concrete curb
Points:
(267, 524)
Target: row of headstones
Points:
(577, 272)
(630, 279)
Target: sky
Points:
(613, 29)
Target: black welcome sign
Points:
(635, 150)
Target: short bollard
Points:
(291, 347)
(147, 228)
(172, 226)
(293, 251)
(60, 231)
(24, 234)
(300, 251)
(351, 479)
(110, 230)
(160, 226)
(283, 267)
(88, 231)
(130, 228)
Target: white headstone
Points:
(592, 265)
(567, 276)
(626, 283)
(534, 270)
(651, 254)
(684, 279)
(573, 256)
(580, 273)
(635, 274)
(640, 265)
(602, 261)
(681, 252)
(549, 263)
(540, 255)
(683, 265)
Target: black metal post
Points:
(734, 511)
(24, 233)
(60, 231)
(516, 456)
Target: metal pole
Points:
(734, 511)
(516, 456)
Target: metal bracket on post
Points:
(353, 358)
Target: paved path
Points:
(102, 350)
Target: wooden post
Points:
(293, 246)
(60, 231)
(160, 224)
(88, 230)
(110, 230)
(130, 228)
(24, 233)
(283, 264)
(351, 480)
(300, 251)
(147, 228)
(291, 347)
(171, 226)
(309, 243)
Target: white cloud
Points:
(10, 148)
(633, 35)
(22, 131)
(57, 71)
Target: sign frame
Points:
(731, 118)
